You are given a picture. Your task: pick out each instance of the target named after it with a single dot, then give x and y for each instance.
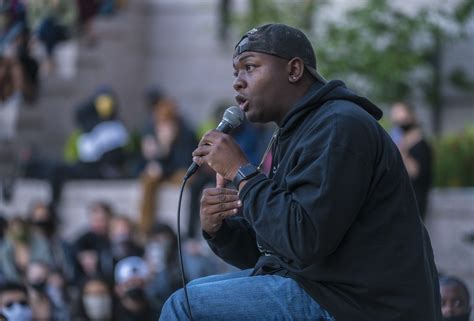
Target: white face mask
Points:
(17, 312)
(155, 254)
(97, 306)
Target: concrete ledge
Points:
(454, 202)
(123, 195)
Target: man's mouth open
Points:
(243, 102)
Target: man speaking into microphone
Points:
(333, 232)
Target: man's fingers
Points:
(215, 214)
(219, 208)
(223, 198)
(202, 150)
(220, 181)
(218, 191)
(228, 213)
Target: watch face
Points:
(245, 172)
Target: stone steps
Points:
(123, 195)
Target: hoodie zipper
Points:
(269, 147)
(275, 148)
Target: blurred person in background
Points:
(44, 221)
(29, 67)
(14, 303)
(95, 150)
(3, 227)
(88, 9)
(92, 251)
(36, 280)
(14, 39)
(166, 143)
(57, 291)
(122, 240)
(52, 21)
(21, 246)
(415, 150)
(455, 299)
(161, 255)
(95, 301)
(109, 7)
(131, 277)
(12, 22)
(11, 99)
(11, 84)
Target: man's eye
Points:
(249, 67)
(458, 303)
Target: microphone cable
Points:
(180, 253)
(232, 118)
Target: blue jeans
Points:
(239, 296)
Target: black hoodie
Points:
(337, 214)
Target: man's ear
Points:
(295, 68)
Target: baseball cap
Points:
(130, 267)
(282, 41)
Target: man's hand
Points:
(217, 204)
(221, 153)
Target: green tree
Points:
(379, 49)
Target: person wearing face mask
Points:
(161, 255)
(21, 246)
(122, 242)
(44, 220)
(415, 150)
(131, 276)
(455, 299)
(59, 295)
(95, 301)
(36, 279)
(14, 303)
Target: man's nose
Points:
(239, 83)
(448, 310)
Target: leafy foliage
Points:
(380, 50)
(390, 54)
(454, 159)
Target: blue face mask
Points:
(17, 312)
(462, 317)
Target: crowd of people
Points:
(30, 35)
(109, 272)
(30, 32)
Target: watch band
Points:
(245, 172)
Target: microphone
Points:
(233, 117)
